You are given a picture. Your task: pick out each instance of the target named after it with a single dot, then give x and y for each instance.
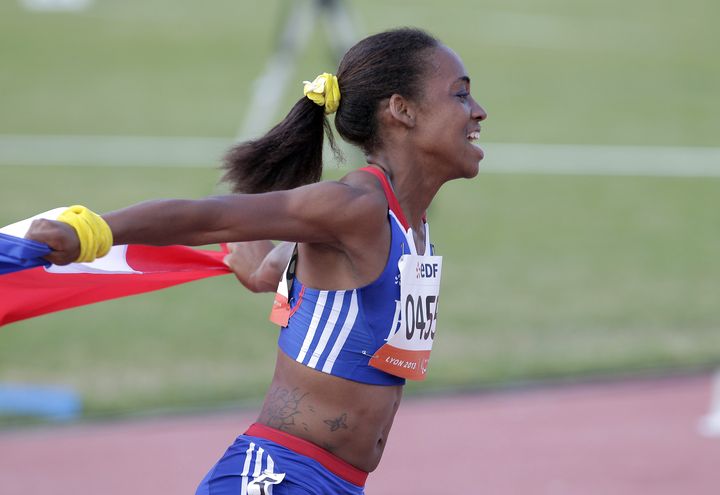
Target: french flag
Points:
(30, 286)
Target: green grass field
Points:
(546, 70)
(545, 276)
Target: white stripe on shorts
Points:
(270, 469)
(246, 468)
(248, 456)
(258, 463)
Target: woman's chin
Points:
(473, 172)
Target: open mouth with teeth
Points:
(472, 139)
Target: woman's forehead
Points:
(447, 65)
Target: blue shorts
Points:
(265, 461)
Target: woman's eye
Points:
(463, 96)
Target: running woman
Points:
(358, 279)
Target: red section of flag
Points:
(34, 292)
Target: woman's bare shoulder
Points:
(366, 186)
(353, 205)
(367, 194)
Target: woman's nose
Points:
(478, 112)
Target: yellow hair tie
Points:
(94, 233)
(324, 91)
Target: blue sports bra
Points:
(337, 331)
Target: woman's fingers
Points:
(59, 236)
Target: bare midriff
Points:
(350, 419)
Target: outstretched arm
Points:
(298, 214)
(326, 212)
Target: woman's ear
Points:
(401, 110)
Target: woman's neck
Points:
(414, 191)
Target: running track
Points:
(622, 438)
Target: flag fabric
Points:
(18, 254)
(28, 289)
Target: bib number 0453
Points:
(420, 315)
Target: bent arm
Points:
(259, 265)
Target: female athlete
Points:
(358, 299)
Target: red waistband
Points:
(331, 462)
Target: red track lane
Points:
(625, 438)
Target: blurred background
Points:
(588, 246)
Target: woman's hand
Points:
(258, 265)
(61, 237)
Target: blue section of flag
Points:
(19, 254)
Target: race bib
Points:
(407, 351)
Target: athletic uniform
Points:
(336, 332)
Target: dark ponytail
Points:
(290, 154)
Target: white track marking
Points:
(117, 151)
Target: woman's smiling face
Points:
(448, 118)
